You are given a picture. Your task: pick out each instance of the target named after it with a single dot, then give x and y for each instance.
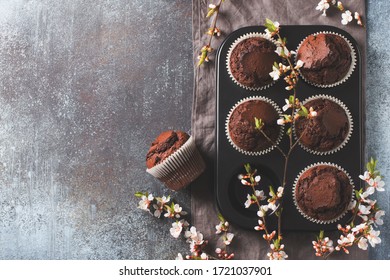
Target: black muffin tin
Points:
(230, 194)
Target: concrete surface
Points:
(85, 86)
(377, 108)
(84, 89)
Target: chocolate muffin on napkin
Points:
(174, 159)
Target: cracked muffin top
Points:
(165, 145)
(326, 57)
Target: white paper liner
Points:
(349, 117)
(257, 153)
(180, 168)
(235, 43)
(317, 221)
(351, 68)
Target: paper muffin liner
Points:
(180, 168)
(351, 68)
(235, 43)
(349, 117)
(317, 221)
(251, 153)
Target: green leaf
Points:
(277, 243)
(357, 194)
(210, 12)
(291, 99)
(269, 24)
(289, 131)
(248, 168)
(259, 123)
(141, 194)
(272, 191)
(221, 218)
(321, 236)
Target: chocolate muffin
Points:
(325, 132)
(323, 192)
(327, 58)
(251, 62)
(165, 145)
(242, 129)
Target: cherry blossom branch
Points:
(346, 15)
(252, 180)
(212, 31)
(158, 206)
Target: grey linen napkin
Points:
(235, 14)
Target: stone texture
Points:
(377, 104)
(85, 87)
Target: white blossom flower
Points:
(280, 121)
(365, 210)
(218, 250)
(322, 6)
(377, 219)
(272, 206)
(346, 17)
(212, 6)
(279, 192)
(176, 229)
(260, 195)
(248, 201)
(228, 239)
(257, 178)
(179, 257)
(278, 255)
(204, 256)
(367, 193)
(360, 227)
(346, 240)
(194, 236)
(287, 105)
(358, 19)
(145, 202)
(157, 211)
(178, 211)
(312, 113)
(352, 204)
(377, 183)
(222, 226)
(362, 243)
(275, 74)
(373, 237)
(366, 176)
(260, 226)
(263, 210)
(299, 64)
(268, 34)
(282, 51)
(245, 183)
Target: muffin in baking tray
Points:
(250, 61)
(241, 129)
(329, 131)
(322, 192)
(327, 58)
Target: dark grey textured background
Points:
(85, 86)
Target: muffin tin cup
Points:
(349, 117)
(250, 153)
(181, 168)
(351, 68)
(235, 43)
(317, 221)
